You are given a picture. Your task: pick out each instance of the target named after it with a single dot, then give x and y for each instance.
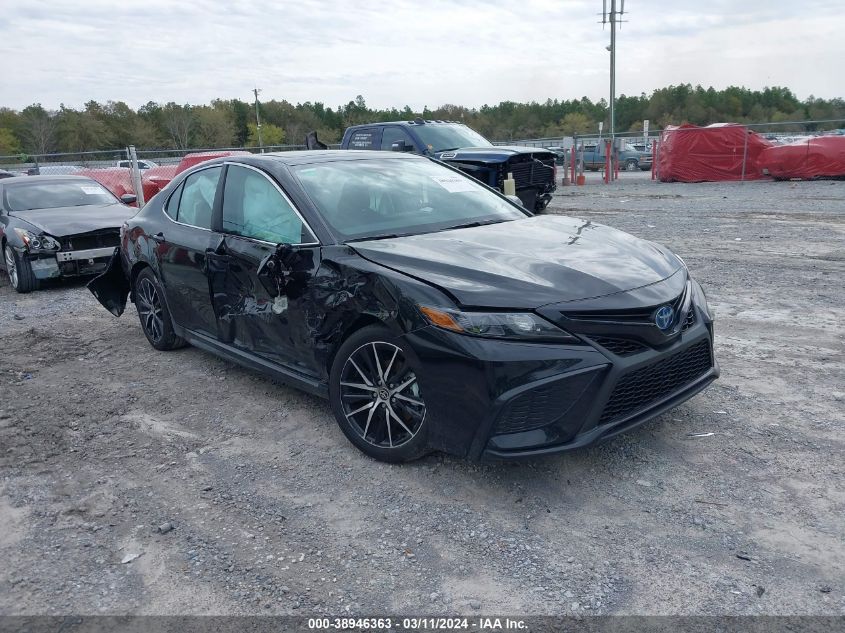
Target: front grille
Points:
(690, 320)
(532, 172)
(97, 239)
(543, 405)
(619, 346)
(645, 386)
(638, 315)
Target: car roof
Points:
(322, 156)
(414, 123)
(46, 178)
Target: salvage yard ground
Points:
(134, 481)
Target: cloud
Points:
(405, 52)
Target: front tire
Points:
(631, 165)
(153, 313)
(375, 396)
(20, 271)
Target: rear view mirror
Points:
(128, 198)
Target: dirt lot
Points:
(102, 439)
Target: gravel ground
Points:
(142, 482)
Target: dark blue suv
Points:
(532, 169)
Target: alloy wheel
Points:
(149, 307)
(380, 395)
(11, 266)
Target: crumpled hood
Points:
(65, 221)
(526, 263)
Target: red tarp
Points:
(118, 180)
(819, 157)
(689, 153)
(196, 158)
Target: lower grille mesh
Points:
(542, 406)
(653, 382)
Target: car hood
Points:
(65, 221)
(493, 152)
(526, 263)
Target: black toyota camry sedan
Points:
(432, 312)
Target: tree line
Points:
(232, 123)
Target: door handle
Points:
(158, 237)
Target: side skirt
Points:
(250, 361)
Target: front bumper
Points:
(506, 399)
(69, 263)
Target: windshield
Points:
(373, 198)
(26, 196)
(440, 137)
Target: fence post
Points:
(137, 185)
(574, 156)
(659, 151)
(745, 152)
(654, 159)
(615, 160)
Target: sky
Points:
(408, 52)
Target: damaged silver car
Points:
(58, 226)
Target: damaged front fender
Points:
(111, 288)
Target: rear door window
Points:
(197, 200)
(364, 139)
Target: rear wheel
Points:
(376, 397)
(20, 271)
(153, 312)
(631, 164)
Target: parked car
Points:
(57, 226)
(7, 174)
(119, 181)
(142, 164)
(431, 311)
(594, 158)
(533, 168)
(560, 154)
(47, 169)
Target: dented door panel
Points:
(258, 309)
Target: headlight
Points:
(700, 300)
(37, 242)
(506, 325)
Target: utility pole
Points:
(614, 17)
(258, 121)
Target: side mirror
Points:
(401, 146)
(128, 198)
(516, 201)
(277, 261)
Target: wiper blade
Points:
(470, 225)
(448, 149)
(385, 236)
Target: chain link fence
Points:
(143, 173)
